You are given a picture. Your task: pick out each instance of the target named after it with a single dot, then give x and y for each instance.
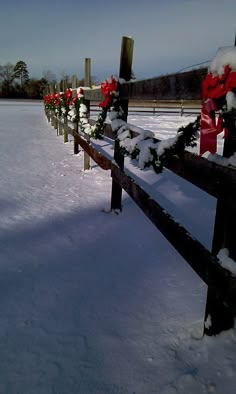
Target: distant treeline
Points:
(16, 83)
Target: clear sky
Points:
(169, 35)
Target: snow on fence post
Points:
(125, 72)
(87, 83)
(75, 124)
(217, 314)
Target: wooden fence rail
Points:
(214, 179)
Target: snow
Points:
(226, 261)
(91, 302)
(223, 161)
(225, 56)
(231, 101)
(208, 322)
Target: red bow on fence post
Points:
(214, 88)
(208, 134)
(108, 88)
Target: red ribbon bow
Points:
(108, 88)
(212, 89)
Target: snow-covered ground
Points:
(92, 302)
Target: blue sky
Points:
(169, 35)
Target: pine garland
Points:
(150, 153)
(143, 147)
(186, 137)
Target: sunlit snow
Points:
(94, 302)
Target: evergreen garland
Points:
(97, 130)
(186, 137)
(145, 149)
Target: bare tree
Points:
(7, 74)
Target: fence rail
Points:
(214, 179)
(181, 86)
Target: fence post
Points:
(57, 123)
(87, 83)
(182, 108)
(65, 84)
(52, 89)
(59, 126)
(75, 124)
(221, 317)
(125, 72)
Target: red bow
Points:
(212, 89)
(108, 88)
(68, 94)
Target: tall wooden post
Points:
(126, 58)
(65, 85)
(87, 83)
(57, 124)
(218, 314)
(51, 89)
(75, 124)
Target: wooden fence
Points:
(216, 180)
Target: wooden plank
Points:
(196, 255)
(98, 157)
(94, 94)
(214, 179)
(180, 86)
(186, 86)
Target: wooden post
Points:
(51, 113)
(59, 126)
(65, 116)
(221, 317)
(56, 115)
(75, 124)
(125, 72)
(87, 83)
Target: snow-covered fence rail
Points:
(214, 179)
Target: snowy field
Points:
(92, 302)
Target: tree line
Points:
(16, 83)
